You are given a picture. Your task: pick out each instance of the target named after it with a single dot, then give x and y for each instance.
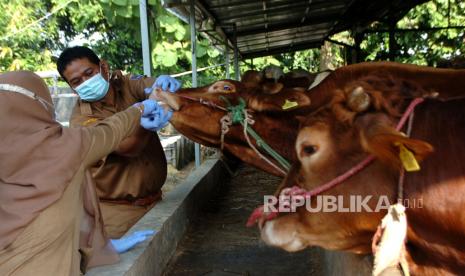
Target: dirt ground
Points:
(218, 243)
(175, 177)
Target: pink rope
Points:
(408, 111)
(259, 213)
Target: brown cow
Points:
(274, 118)
(359, 120)
(279, 127)
(297, 78)
(256, 81)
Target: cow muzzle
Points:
(282, 233)
(166, 97)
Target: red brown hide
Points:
(275, 124)
(279, 127)
(346, 130)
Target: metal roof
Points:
(269, 27)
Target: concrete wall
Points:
(170, 219)
(341, 263)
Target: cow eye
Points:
(227, 88)
(309, 150)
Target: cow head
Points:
(201, 121)
(198, 121)
(359, 121)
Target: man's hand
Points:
(166, 83)
(149, 106)
(156, 120)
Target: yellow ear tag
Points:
(408, 159)
(289, 104)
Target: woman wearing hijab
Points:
(50, 222)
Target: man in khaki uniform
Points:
(128, 180)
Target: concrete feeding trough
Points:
(170, 218)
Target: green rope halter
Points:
(237, 116)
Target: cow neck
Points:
(238, 114)
(298, 191)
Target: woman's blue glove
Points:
(156, 120)
(124, 244)
(165, 82)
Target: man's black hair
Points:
(73, 53)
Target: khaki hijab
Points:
(38, 158)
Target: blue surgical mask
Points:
(93, 89)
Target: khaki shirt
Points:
(118, 177)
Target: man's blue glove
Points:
(124, 244)
(150, 106)
(164, 82)
(156, 120)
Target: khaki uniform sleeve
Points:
(138, 84)
(108, 134)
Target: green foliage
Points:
(423, 47)
(34, 32)
(24, 43)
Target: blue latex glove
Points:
(166, 83)
(156, 120)
(124, 244)
(150, 106)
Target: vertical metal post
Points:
(194, 67)
(392, 41)
(144, 30)
(237, 74)
(226, 56)
(357, 51)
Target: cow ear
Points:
(379, 138)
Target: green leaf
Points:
(170, 28)
(201, 50)
(188, 55)
(177, 45)
(169, 59)
(212, 52)
(120, 2)
(180, 32)
(125, 12)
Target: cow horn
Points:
(358, 100)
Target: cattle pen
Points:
(201, 231)
(201, 222)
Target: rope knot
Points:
(239, 114)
